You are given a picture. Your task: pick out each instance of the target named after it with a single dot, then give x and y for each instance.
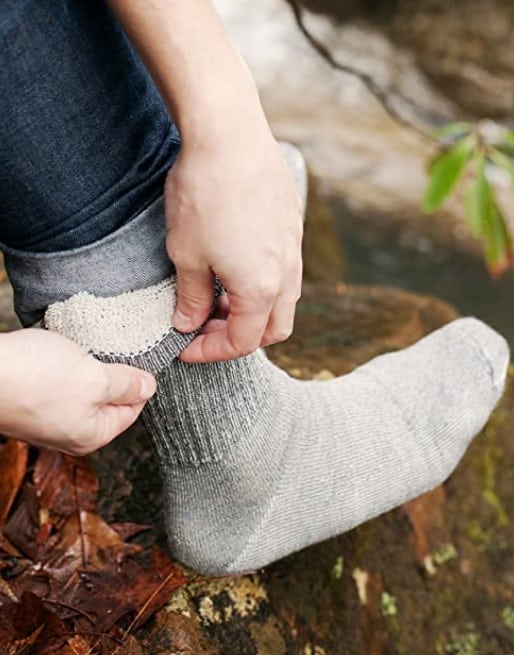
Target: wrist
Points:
(221, 113)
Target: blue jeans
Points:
(85, 139)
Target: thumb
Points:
(127, 385)
(195, 297)
(113, 420)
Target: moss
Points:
(445, 554)
(507, 615)
(388, 605)
(489, 493)
(338, 568)
(468, 643)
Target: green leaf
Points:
(505, 162)
(510, 136)
(445, 172)
(506, 148)
(498, 242)
(478, 201)
(453, 130)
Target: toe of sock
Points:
(490, 345)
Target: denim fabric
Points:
(85, 139)
(132, 257)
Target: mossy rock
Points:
(435, 576)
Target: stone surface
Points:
(435, 576)
(464, 46)
(450, 58)
(422, 579)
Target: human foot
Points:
(257, 464)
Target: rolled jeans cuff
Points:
(132, 257)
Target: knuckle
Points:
(281, 334)
(192, 299)
(242, 348)
(266, 290)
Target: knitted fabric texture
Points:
(257, 464)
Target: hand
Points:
(233, 209)
(54, 395)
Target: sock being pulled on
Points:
(257, 464)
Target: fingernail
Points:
(148, 386)
(181, 321)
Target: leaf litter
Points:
(70, 583)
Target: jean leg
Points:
(86, 140)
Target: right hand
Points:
(54, 395)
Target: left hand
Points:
(233, 210)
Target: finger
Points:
(281, 321)
(222, 307)
(195, 296)
(115, 419)
(240, 335)
(127, 385)
(214, 325)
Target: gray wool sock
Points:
(256, 464)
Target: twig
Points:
(76, 610)
(149, 600)
(382, 95)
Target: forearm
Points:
(206, 85)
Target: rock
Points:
(451, 60)
(418, 580)
(434, 576)
(465, 47)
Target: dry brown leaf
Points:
(76, 645)
(128, 530)
(109, 596)
(84, 542)
(31, 627)
(13, 465)
(54, 547)
(64, 484)
(8, 548)
(426, 516)
(22, 526)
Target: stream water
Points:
(378, 252)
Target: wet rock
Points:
(464, 46)
(448, 60)
(434, 575)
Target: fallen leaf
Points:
(22, 526)
(76, 645)
(133, 590)
(85, 541)
(64, 484)
(426, 516)
(13, 464)
(29, 622)
(128, 530)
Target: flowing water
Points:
(380, 252)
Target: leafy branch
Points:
(462, 146)
(384, 96)
(475, 149)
